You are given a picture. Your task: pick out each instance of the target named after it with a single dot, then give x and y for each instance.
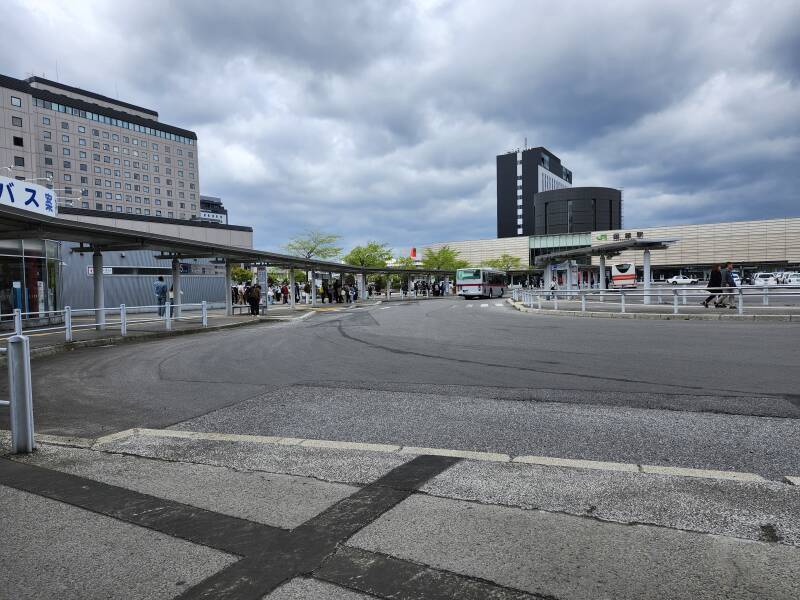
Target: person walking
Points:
(714, 285)
(160, 290)
(729, 283)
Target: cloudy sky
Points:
(382, 120)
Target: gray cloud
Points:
(381, 120)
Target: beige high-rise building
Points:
(98, 153)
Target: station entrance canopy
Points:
(605, 250)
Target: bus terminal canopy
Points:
(605, 250)
(18, 223)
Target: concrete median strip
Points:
(683, 472)
(793, 480)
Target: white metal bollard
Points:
(168, 316)
(68, 323)
(555, 301)
(674, 302)
(683, 297)
(538, 302)
(583, 302)
(204, 313)
(740, 299)
(21, 397)
(765, 296)
(123, 321)
(622, 301)
(17, 322)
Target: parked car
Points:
(682, 280)
(737, 280)
(764, 279)
(792, 278)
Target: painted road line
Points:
(488, 456)
(705, 473)
(484, 305)
(384, 307)
(469, 305)
(498, 304)
(349, 445)
(792, 479)
(576, 463)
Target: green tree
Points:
(405, 262)
(444, 259)
(314, 244)
(371, 255)
(504, 262)
(241, 275)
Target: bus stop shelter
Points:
(17, 223)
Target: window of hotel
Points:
(48, 148)
(84, 204)
(81, 154)
(105, 135)
(170, 215)
(16, 101)
(84, 167)
(81, 129)
(158, 213)
(18, 141)
(65, 139)
(81, 141)
(45, 120)
(67, 164)
(46, 135)
(67, 177)
(48, 161)
(119, 209)
(95, 133)
(16, 121)
(64, 125)
(115, 137)
(65, 151)
(147, 211)
(19, 161)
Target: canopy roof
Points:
(17, 223)
(611, 249)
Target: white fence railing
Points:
(734, 297)
(166, 313)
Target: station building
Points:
(763, 245)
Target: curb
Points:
(44, 351)
(494, 457)
(656, 316)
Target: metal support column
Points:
(99, 295)
(176, 288)
(602, 273)
(20, 394)
(647, 276)
(313, 288)
(228, 286)
(291, 288)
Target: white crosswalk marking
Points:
(484, 305)
(469, 305)
(498, 304)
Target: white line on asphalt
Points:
(498, 304)
(484, 305)
(469, 305)
(385, 307)
(550, 461)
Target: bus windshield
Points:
(468, 274)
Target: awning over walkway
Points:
(22, 224)
(606, 250)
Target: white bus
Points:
(623, 275)
(480, 283)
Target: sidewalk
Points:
(168, 513)
(47, 342)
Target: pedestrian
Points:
(160, 290)
(714, 285)
(729, 284)
(270, 294)
(255, 299)
(285, 293)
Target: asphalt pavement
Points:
(413, 449)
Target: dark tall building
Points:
(577, 210)
(520, 175)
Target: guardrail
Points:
(20, 400)
(171, 314)
(677, 297)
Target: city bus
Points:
(623, 275)
(480, 283)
